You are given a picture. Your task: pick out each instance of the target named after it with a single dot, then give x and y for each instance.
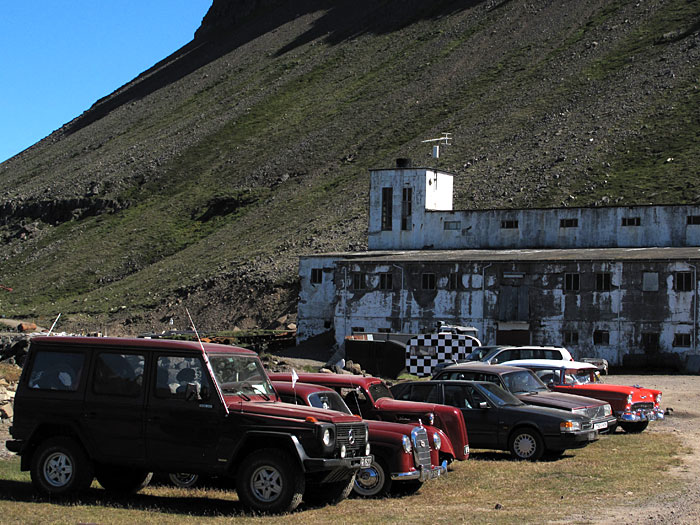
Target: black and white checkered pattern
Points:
(424, 351)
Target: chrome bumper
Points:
(642, 415)
(423, 474)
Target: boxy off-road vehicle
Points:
(119, 409)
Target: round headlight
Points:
(327, 437)
(367, 449)
(629, 399)
(431, 419)
(406, 442)
(437, 441)
(658, 399)
(343, 451)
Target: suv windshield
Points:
(524, 382)
(328, 401)
(497, 395)
(379, 390)
(240, 374)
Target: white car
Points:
(501, 354)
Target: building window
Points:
(603, 282)
(387, 197)
(509, 224)
(568, 223)
(693, 219)
(453, 225)
(572, 282)
(631, 221)
(428, 281)
(407, 209)
(650, 282)
(316, 275)
(683, 282)
(358, 280)
(650, 342)
(601, 337)
(453, 281)
(386, 281)
(681, 340)
(358, 329)
(570, 337)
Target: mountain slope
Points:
(200, 183)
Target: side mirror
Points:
(494, 361)
(483, 404)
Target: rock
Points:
(6, 411)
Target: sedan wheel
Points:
(526, 444)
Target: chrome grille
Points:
(642, 406)
(355, 446)
(421, 447)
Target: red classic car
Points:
(370, 398)
(405, 455)
(634, 406)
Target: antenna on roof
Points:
(444, 140)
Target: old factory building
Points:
(604, 282)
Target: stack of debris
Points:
(7, 397)
(13, 350)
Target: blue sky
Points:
(57, 58)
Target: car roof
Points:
(334, 379)
(481, 366)
(140, 343)
(550, 363)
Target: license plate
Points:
(600, 426)
(365, 462)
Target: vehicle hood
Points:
(558, 400)
(542, 412)
(408, 407)
(288, 411)
(601, 390)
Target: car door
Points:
(113, 413)
(479, 414)
(182, 433)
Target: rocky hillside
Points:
(201, 182)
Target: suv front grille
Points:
(353, 436)
(421, 447)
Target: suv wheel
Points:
(184, 480)
(372, 482)
(634, 428)
(268, 482)
(121, 479)
(60, 468)
(526, 443)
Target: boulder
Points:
(6, 411)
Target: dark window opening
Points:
(693, 219)
(509, 224)
(386, 281)
(603, 282)
(683, 281)
(316, 276)
(387, 197)
(650, 342)
(681, 340)
(631, 221)
(358, 281)
(601, 337)
(428, 281)
(453, 281)
(568, 223)
(572, 282)
(406, 209)
(570, 337)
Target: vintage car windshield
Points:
(328, 401)
(498, 396)
(379, 390)
(240, 374)
(523, 382)
(578, 377)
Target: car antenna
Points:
(54, 324)
(206, 362)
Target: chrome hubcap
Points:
(266, 483)
(369, 480)
(524, 445)
(58, 469)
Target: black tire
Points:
(122, 480)
(554, 453)
(269, 482)
(526, 443)
(328, 493)
(374, 481)
(634, 428)
(183, 480)
(406, 488)
(59, 467)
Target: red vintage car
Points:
(370, 398)
(405, 455)
(634, 406)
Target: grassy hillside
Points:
(201, 182)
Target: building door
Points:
(513, 316)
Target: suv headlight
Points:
(437, 441)
(607, 409)
(579, 411)
(569, 426)
(406, 442)
(326, 437)
(367, 449)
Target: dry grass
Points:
(615, 470)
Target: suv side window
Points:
(56, 371)
(174, 373)
(118, 374)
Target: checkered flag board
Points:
(425, 351)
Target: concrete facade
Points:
(606, 282)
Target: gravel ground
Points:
(682, 395)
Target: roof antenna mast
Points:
(444, 140)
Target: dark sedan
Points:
(496, 419)
(526, 386)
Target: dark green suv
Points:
(119, 409)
